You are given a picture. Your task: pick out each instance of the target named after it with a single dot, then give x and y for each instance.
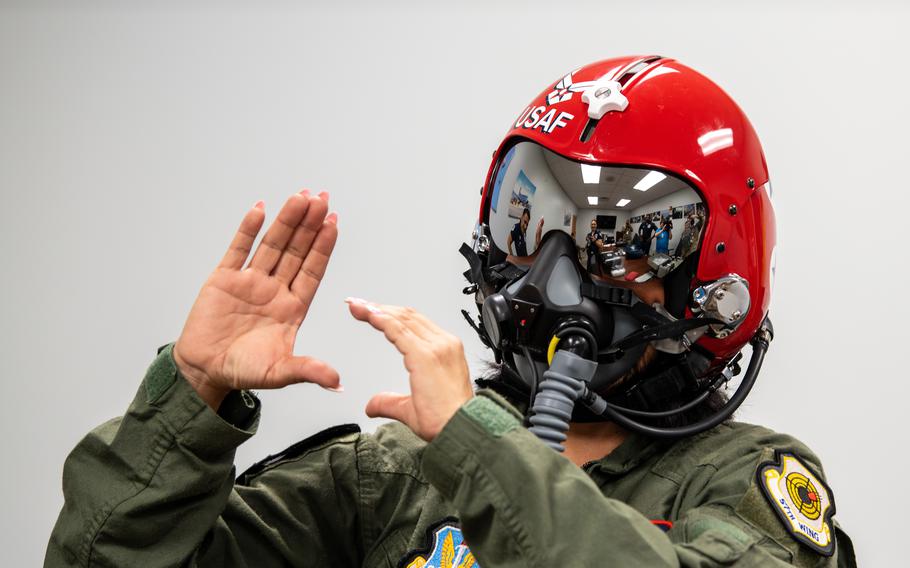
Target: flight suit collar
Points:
(634, 450)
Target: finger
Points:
(299, 245)
(426, 323)
(293, 369)
(278, 235)
(243, 240)
(391, 405)
(414, 320)
(404, 339)
(409, 317)
(313, 267)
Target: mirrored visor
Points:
(627, 222)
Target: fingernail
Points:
(305, 192)
(324, 195)
(339, 388)
(332, 218)
(260, 205)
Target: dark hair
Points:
(527, 212)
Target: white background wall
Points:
(133, 137)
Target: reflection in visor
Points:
(628, 223)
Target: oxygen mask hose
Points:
(557, 393)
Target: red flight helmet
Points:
(670, 176)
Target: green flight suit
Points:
(156, 488)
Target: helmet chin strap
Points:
(662, 326)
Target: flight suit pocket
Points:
(719, 546)
(713, 538)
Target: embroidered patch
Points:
(445, 549)
(801, 500)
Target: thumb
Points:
(392, 405)
(294, 369)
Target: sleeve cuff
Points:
(177, 404)
(479, 422)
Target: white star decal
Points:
(564, 89)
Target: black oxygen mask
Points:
(558, 305)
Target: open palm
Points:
(241, 330)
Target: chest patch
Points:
(445, 549)
(801, 500)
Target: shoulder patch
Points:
(802, 501)
(445, 549)
(297, 449)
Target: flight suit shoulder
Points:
(342, 438)
(729, 445)
(393, 448)
(733, 449)
(740, 437)
(771, 482)
(377, 475)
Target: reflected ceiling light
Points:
(589, 173)
(592, 200)
(623, 202)
(649, 181)
(657, 73)
(715, 140)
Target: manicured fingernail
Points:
(352, 300)
(332, 218)
(305, 192)
(260, 205)
(339, 388)
(373, 309)
(324, 195)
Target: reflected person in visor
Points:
(603, 435)
(594, 242)
(517, 235)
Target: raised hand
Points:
(241, 330)
(439, 376)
